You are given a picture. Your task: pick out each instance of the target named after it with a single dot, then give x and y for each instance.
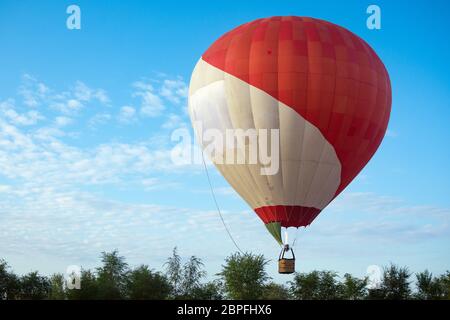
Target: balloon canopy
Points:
(320, 85)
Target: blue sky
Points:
(86, 118)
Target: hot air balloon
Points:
(325, 90)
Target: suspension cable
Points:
(217, 205)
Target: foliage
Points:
(444, 281)
(209, 291)
(89, 289)
(193, 273)
(111, 276)
(174, 272)
(244, 276)
(34, 286)
(185, 279)
(275, 291)
(395, 284)
(316, 285)
(57, 290)
(9, 282)
(354, 288)
(143, 283)
(428, 287)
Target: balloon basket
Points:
(286, 265)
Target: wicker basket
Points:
(286, 265)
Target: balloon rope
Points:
(295, 239)
(217, 205)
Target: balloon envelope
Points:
(323, 87)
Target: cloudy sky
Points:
(86, 118)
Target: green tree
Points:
(57, 291)
(143, 283)
(34, 286)
(185, 279)
(244, 276)
(354, 288)
(275, 291)
(212, 290)
(9, 282)
(89, 289)
(444, 282)
(193, 273)
(329, 288)
(111, 276)
(428, 287)
(305, 285)
(316, 285)
(174, 272)
(395, 284)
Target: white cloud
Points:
(62, 121)
(385, 218)
(152, 99)
(4, 188)
(127, 114)
(173, 121)
(37, 94)
(83, 93)
(32, 91)
(76, 226)
(42, 157)
(150, 182)
(99, 119)
(391, 133)
(174, 90)
(47, 134)
(151, 103)
(74, 104)
(223, 191)
(63, 106)
(24, 118)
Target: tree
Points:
(193, 273)
(111, 276)
(395, 283)
(428, 287)
(143, 283)
(354, 288)
(34, 287)
(329, 287)
(244, 276)
(316, 285)
(444, 284)
(375, 293)
(57, 291)
(275, 291)
(185, 279)
(174, 272)
(305, 285)
(209, 291)
(89, 289)
(9, 282)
